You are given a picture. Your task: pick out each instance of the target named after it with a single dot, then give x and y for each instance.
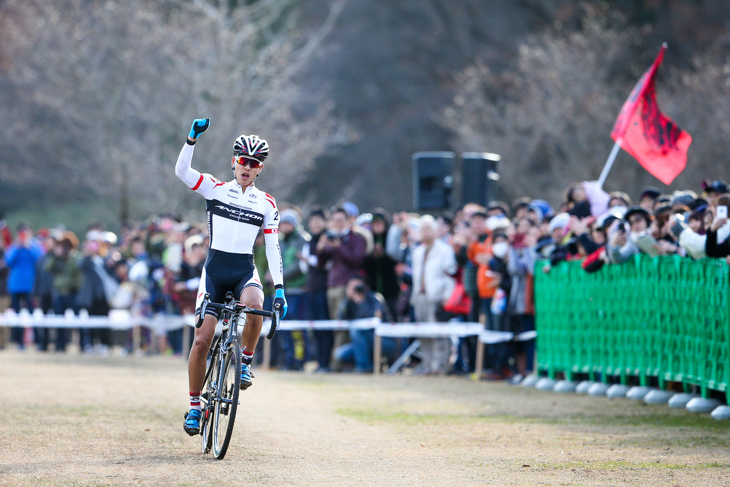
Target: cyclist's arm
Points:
(200, 183)
(271, 237)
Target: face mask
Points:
(500, 249)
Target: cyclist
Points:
(237, 211)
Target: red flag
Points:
(643, 131)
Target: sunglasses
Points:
(252, 163)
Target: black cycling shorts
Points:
(224, 272)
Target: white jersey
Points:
(235, 215)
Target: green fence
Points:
(663, 317)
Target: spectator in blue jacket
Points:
(21, 258)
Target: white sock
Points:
(195, 401)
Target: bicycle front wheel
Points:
(227, 403)
(208, 399)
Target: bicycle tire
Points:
(206, 429)
(227, 402)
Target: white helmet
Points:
(251, 146)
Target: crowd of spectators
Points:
(474, 265)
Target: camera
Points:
(623, 227)
(360, 289)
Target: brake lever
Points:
(203, 307)
(275, 320)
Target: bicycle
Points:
(223, 376)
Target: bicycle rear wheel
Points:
(227, 403)
(208, 400)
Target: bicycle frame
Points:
(219, 402)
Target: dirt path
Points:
(117, 421)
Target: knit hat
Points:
(497, 223)
(649, 192)
(560, 220)
(291, 217)
(717, 186)
(351, 208)
(544, 206)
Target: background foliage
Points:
(97, 96)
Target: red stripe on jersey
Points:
(271, 230)
(270, 199)
(200, 181)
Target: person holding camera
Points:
(344, 251)
(21, 259)
(626, 235)
(717, 243)
(697, 246)
(362, 303)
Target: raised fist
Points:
(200, 125)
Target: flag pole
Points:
(609, 162)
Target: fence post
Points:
(377, 351)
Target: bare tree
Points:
(551, 118)
(106, 91)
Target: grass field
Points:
(72, 420)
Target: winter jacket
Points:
(619, 255)
(520, 266)
(316, 273)
(262, 267)
(436, 273)
(66, 274)
(22, 262)
(43, 278)
(715, 249)
(372, 305)
(92, 291)
(346, 258)
(295, 271)
(597, 198)
(380, 272)
(484, 284)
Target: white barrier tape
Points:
(123, 320)
(116, 320)
(429, 330)
(490, 337)
(293, 325)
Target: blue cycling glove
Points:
(200, 125)
(281, 301)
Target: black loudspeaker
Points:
(479, 177)
(433, 180)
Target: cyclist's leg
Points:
(203, 335)
(199, 352)
(196, 371)
(253, 297)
